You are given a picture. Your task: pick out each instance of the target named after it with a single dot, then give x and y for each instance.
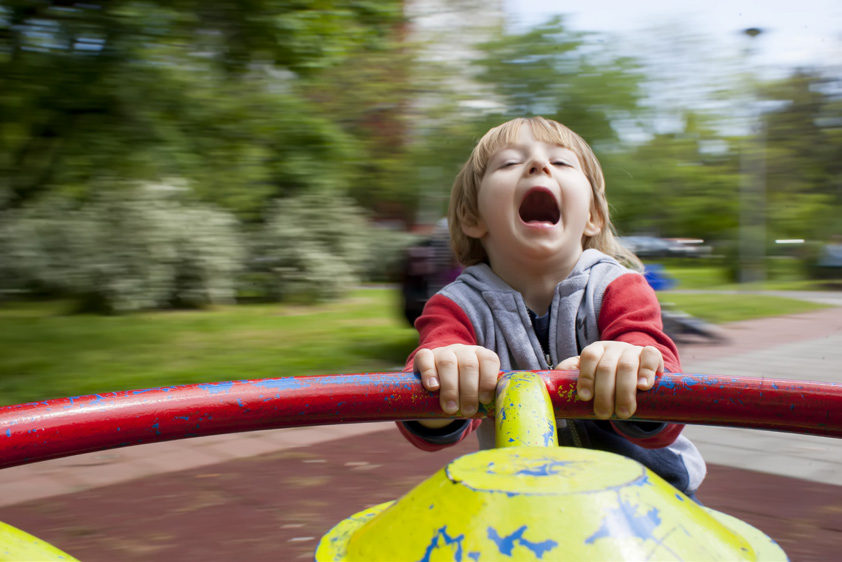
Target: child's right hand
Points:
(466, 375)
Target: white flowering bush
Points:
(387, 249)
(127, 250)
(312, 247)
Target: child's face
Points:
(534, 203)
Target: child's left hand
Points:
(611, 372)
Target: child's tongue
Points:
(539, 206)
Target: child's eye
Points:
(560, 163)
(508, 164)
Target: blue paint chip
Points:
(624, 521)
(454, 542)
(217, 387)
(549, 468)
(287, 383)
(506, 544)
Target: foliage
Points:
(695, 189)
(386, 250)
(252, 102)
(145, 248)
(312, 247)
(565, 75)
(802, 138)
(368, 97)
(204, 90)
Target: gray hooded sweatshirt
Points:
(502, 323)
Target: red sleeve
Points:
(631, 313)
(442, 323)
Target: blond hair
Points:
(464, 196)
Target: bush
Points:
(143, 248)
(387, 249)
(312, 247)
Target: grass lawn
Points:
(725, 307)
(689, 275)
(47, 353)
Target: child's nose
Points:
(539, 167)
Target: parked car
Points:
(654, 247)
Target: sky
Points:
(795, 32)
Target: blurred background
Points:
(237, 159)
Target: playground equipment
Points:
(610, 507)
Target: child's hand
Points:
(466, 375)
(611, 372)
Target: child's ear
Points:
(594, 224)
(476, 230)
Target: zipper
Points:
(574, 433)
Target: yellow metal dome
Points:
(16, 545)
(539, 503)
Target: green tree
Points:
(206, 90)
(565, 75)
(802, 137)
(680, 184)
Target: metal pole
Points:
(68, 426)
(752, 233)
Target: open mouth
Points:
(539, 206)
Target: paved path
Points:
(96, 505)
(802, 347)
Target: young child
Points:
(529, 217)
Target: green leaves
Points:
(199, 89)
(144, 248)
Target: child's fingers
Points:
(468, 366)
(447, 366)
(605, 381)
(489, 368)
(588, 362)
(569, 364)
(625, 393)
(424, 364)
(651, 363)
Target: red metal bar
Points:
(67, 426)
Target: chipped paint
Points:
(506, 544)
(623, 520)
(526, 416)
(543, 503)
(455, 544)
(79, 424)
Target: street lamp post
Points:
(752, 233)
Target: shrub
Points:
(387, 249)
(312, 247)
(125, 250)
